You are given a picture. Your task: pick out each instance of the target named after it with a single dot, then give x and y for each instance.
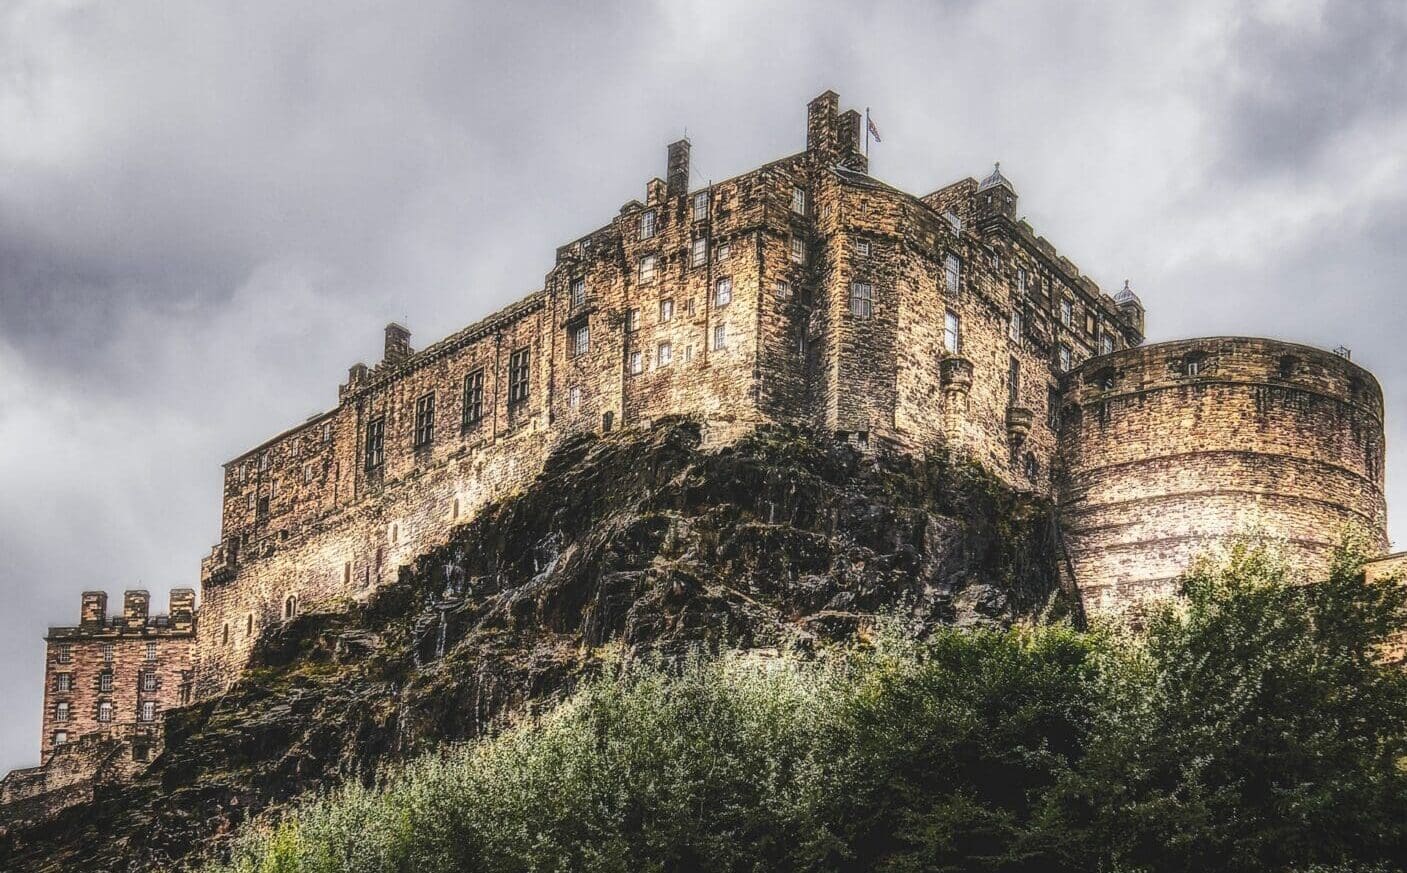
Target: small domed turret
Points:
(1130, 307)
(996, 196)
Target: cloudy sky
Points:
(209, 210)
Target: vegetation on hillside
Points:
(1253, 725)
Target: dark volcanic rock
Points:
(639, 543)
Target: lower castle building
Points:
(807, 291)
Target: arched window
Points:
(290, 607)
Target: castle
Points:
(803, 291)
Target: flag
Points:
(874, 131)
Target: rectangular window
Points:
(60, 738)
(65, 653)
(664, 355)
(107, 653)
(698, 255)
(61, 711)
(581, 339)
(148, 711)
(149, 680)
(632, 320)
(519, 366)
(105, 682)
(1067, 312)
(151, 651)
(798, 250)
(1064, 358)
(688, 353)
(375, 444)
(952, 332)
(327, 433)
(1021, 281)
(862, 248)
(308, 472)
(578, 292)
(647, 224)
(1013, 382)
(861, 299)
(574, 397)
(473, 398)
(1052, 408)
(725, 252)
(1106, 343)
(720, 336)
(637, 363)
(701, 206)
(1013, 327)
(783, 289)
(723, 292)
(666, 311)
(952, 272)
(63, 682)
(647, 268)
(1089, 323)
(798, 200)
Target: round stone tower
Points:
(1168, 450)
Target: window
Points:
(1089, 323)
(225, 634)
(148, 711)
(264, 461)
(424, 421)
(105, 681)
(862, 248)
(1192, 367)
(250, 502)
(1106, 343)
(701, 206)
(664, 355)
(637, 363)
(952, 332)
(1033, 467)
(720, 336)
(1064, 358)
(243, 473)
(798, 200)
(61, 711)
(647, 268)
(308, 472)
(783, 289)
(149, 676)
(632, 320)
(151, 651)
(581, 339)
(327, 432)
(518, 368)
(347, 573)
(952, 273)
(1021, 281)
(574, 397)
(1013, 327)
(725, 252)
(107, 653)
(375, 444)
(698, 255)
(249, 625)
(578, 292)
(666, 310)
(60, 738)
(608, 419)
(798, 250)
(647, 224)
(995, 259)
(723, 292)
(63, 682)
(290, 607)
(861, 299)
(1067, 311)
(473, 398)
(1013, 382)
(688, 353)
(65, 653)
(1052, 408)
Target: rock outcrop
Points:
(635, 544)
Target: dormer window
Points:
(647, 224)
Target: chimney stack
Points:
(182, 607)
(397, 344)
(677, 173)
(134, 607)
(852, 154)
(94, 613)
(820, 125)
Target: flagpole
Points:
(867, 131)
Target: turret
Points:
(996, 196)
(1130, 308)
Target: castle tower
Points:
(1130, 308)
(996, 196)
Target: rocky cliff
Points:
(638, 543)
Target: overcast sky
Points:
(208, 210)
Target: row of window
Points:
(146, 711)
(647, 225)
(64, 652)
(264, 461)
(63, 682)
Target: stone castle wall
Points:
(1169, 449)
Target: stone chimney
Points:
(821, 126)
(94, 613)
(134, 607)
(182, 607)
(397, 344)
(677, 173)
(847, 134)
